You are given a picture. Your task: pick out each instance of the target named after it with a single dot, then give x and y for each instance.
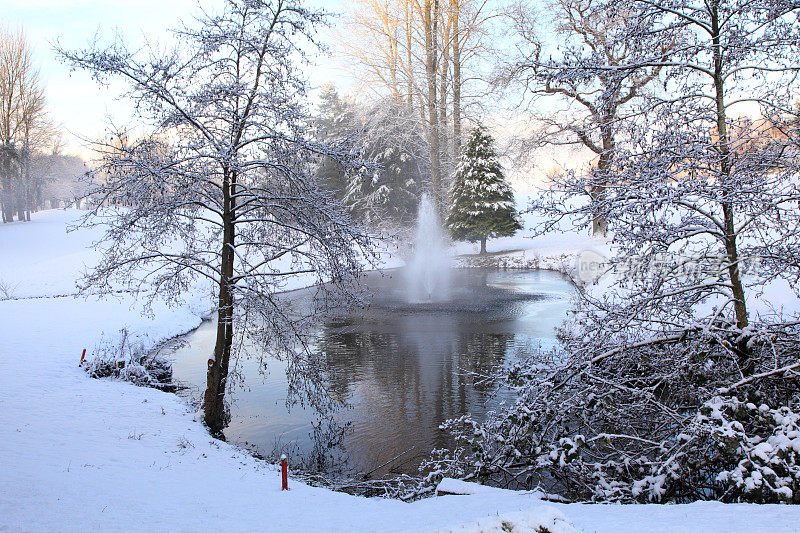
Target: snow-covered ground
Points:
(564, 241)
(78, 453)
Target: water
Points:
(402, 368)
(427, 275)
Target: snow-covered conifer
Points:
(333, 124)
(482, 201)
(391, 138)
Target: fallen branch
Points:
(745, 381)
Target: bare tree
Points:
(726, 164)
(471, 22)
(24, 127)
(420, 52)
(36, 133)
(222, 188)
(460, 37)
(430, 22)
(588, 71)
(669, 385)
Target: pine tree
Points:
(482, 202)
(387, 136)
(334, 126)
(391, 139)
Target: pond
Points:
(401, 368)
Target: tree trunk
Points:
(8, 208)
(27, 186)
(431, 16)
(598, 192)
(483, 245)
(746, 364)
(444, 68)
(390, 30)
(6, 194)
(456, 81)
(409, 72)
(215, 414)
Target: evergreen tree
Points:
(389, 137)
(482, 202)
(334, 125)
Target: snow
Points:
(547, 517)
(561, 243)
(78, 453)
(456, 486)
(44, 263)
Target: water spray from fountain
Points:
(428, 271)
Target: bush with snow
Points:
(667, 424)
(134, 359)
(762, 445)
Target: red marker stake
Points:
(284, 473)
(83, 356)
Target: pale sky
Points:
(75, 101)
(83, 109)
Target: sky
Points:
(83, 109)
(75, 101)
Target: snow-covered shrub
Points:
(132, 358)
(762, 442)
(655, 422)
(6, 291)
(443, 463)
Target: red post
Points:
(284, 473)
(83, 356)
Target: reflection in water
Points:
(402, 369)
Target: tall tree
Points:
(35, 134)
(334, 124)
(471, 22)
(223, 188)
(419, 51)
(459, 39)
(430, 22)
(668, 384)
(589, 72)
(482, 202)
(23, 125)
(391, 138)
(726, 164)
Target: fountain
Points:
(428, 272)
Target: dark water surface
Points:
(401, 368)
